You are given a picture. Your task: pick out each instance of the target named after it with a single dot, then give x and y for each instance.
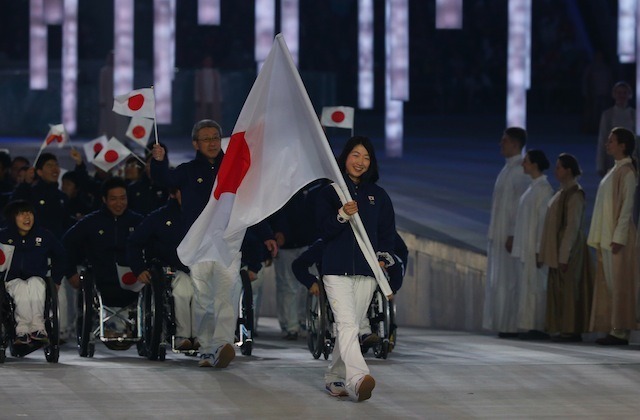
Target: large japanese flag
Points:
(6, 254)
(56, 136)
(137, 103)
(276, 148)
(139, 130)
(111, 155)
(337, 116)
(95, 146)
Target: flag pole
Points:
(356, 221)
(155, 124)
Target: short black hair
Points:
(111, 183)
(14, 208)
(518, 134)
(539, 158)
(372, 174)
(570, 162)
(44, 158)
(626, 137)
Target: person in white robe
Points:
(532, 209)
(501, 287)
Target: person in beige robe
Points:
(613, 235)
(208, 92)
(563, 248)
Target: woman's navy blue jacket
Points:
(31, 253)
(342, 255)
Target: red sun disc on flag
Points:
(54, 137)
(234, 166)
(97, 147)
(129, 278)
(111, 156)
(135, 102)
(3, 258)
(139, 132)
(337, 116)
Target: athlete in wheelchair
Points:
(168, 313)
(377, 328)
(28, 296)
(108, 297)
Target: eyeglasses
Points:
(209, 139)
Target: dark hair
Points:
(539, 158)
(372, 173)
(518, 134)
(568, 161)
(72, 177)
(204, 124)
(111, 183)
(135, 160)
(44, 158)
(20, 158)
(12, 209)
(626, 137)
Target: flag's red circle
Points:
(129, 278)
(111, 156)
(97, 147)
(135, 102)
(3, 258)
(139, 132)
(54, 137)
(337, 116)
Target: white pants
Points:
(349, 297)
(216, 298)
(182, 288)
(68, 309)
(288, 290)
(29, 296)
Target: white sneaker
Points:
(206, 360)
(365, 387)
(337, 389)
(224, 355)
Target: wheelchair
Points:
(321, 333)
(244, 326)
(51, 323)
(94, 314)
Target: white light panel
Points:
(398, 33)
(448, 14)
(70, 65)
(37, 46)
(637, 75)
(53, 11)
(162, 58)
(265, 28)
(365, 54)
(627, 30)
(517, 61)
(123, 47)
(393, 108)
(290, 26)
(208, 12)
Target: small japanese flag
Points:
(139, 130)
(137, 103)
(337, 116)
(56, 136)
(95, 146)
(6, 254)
(111, 155)
(128, 280)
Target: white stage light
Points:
(162, 59)
(53, 11)
(70, 65)
(398, 33)
(123, 47)
(290, 26)
(37, 46)
(208, 12)
(448, 14)
(265, 28)
(393, 108)
(517, 61)
(627, 30)
(365, 54)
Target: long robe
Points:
(614, 296)
(532, 299)
(501, 287)
(563, 242)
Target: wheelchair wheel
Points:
(52, 325)
(315, 325)
(86, 316)
(244, 328)
(381, 323)
(152, 316)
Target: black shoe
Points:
(367, 341)
(533, 335)
(566, 338)
(291, 336)
(507, 335)
(611, 340)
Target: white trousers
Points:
(68, 309)
(182, 288)
(288, 290)
(216, 298)
(349, 297)
(29, 296)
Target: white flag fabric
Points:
(337, 116)
(139, 130)
(6, 255)
(95, 146)
(276, 148)
(137, 103)
(57, 136)
(111, 155)
(128, 280)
